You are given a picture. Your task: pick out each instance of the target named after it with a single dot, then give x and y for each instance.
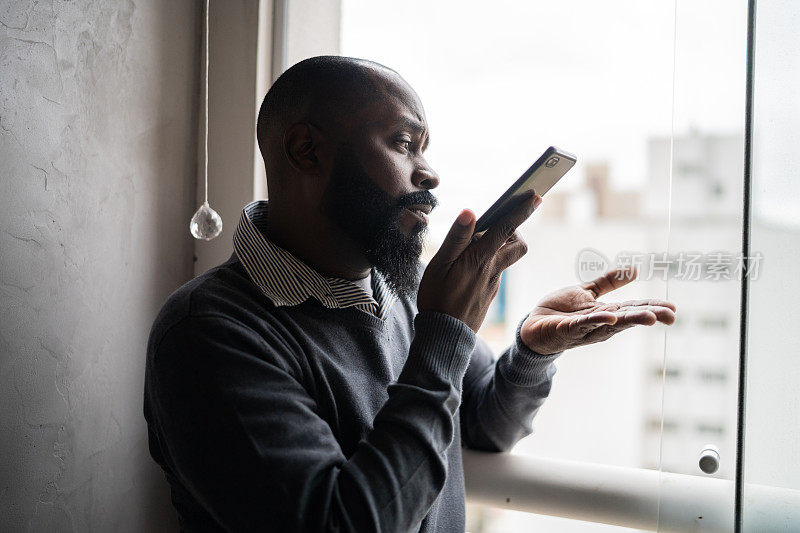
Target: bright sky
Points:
(776, 159)
(503, 81)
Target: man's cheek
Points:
(389, 174)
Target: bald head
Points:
(323, 91)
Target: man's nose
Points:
(425, 178)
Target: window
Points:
(660, 140)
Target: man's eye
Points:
(405, 143)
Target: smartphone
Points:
(543, 174)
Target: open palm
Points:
(573, 316)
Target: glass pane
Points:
(501, 83)
(702, 349)
(772, 431)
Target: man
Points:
(313, 382)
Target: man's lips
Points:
(420, 211)
(425, 208)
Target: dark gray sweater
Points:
(306, 418)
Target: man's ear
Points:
(301, 143)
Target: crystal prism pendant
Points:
(206, 223)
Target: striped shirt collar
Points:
(287, 281)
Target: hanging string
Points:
(206, 223)
(205, 107)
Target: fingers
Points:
(504, 228)
(642, 315)
(649, 301)
(657, 314)
(614, 279)
(636, 317)
(614, 320)
(602, 318)
(458, 238)
(585, 323)
(511, 252)
(663, 310)
(580, 325)
(665, 315)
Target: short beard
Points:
(369, 216)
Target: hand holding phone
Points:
(451, 283)
(463, 277)
(541, 176)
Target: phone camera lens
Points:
(553, 161)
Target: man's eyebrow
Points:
(416, 127)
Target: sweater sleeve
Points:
(242, 433)
(501, 398)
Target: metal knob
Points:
(709, 459)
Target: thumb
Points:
(458, 238)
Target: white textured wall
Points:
(98, 126)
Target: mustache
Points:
(417, 198)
